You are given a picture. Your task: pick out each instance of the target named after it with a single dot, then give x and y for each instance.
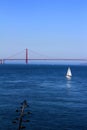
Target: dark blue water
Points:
(55, 102)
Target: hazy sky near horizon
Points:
(55, 28)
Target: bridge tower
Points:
(26, 56)
(1, 61)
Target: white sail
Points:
(69, 73)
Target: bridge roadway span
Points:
(63, 59)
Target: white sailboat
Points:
(69, 73)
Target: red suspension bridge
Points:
(27, 58)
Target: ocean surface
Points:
(55, 102)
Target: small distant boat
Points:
(69, 73)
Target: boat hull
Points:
(68, 77)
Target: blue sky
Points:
(55, 28)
